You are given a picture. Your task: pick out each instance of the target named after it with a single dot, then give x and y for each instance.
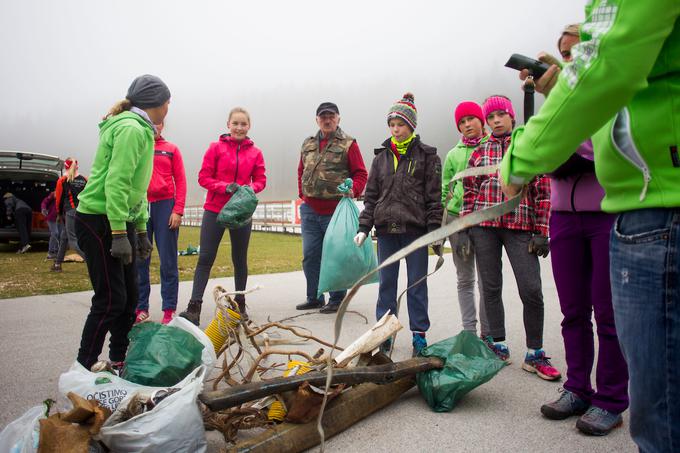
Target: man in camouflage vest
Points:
(326, 160)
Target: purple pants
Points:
(579, 246)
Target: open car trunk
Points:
(31, 177)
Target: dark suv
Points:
(31, 177)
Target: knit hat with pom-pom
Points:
(405, 109)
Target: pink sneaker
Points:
(141, 316)
(540, 364)
(167, 316)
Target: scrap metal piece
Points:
(380, 374)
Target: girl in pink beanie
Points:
(523, 234)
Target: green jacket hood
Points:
(123, 116)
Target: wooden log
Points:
(349, 408)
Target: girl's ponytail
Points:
(118, 107)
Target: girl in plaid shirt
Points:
(523, 234)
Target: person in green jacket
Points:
(112, 213)
(470, 123)
(623, 88)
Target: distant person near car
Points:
(22, 214)
(48, 208)
(69, 187)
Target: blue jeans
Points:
(166, 243)
(55, 232)
(645, 278)
(416, 268)
(313, 230)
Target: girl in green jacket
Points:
(112, 213)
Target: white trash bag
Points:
(110, 389)
(174, 424)
(23, 434)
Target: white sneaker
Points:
(24, 249)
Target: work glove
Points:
(360, 238)
(121, 248)
(144, 246)
(539, 245)
(231, 188)
(463, 245)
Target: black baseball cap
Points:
(326, 107)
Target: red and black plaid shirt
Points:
(484, 191)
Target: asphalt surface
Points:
(39, 338)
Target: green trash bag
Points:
(342, 262)
(239, 209)
(160, 355)
(469, 363)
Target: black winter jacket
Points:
(407, 200)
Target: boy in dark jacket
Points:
(403, 202)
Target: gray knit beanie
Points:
(148, 91)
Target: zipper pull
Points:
(647, 177)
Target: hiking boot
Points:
(242, 310)
(56, 267)
(167, 316)
(193, 312)
(501, 350)
(141, 316)
(540, 364)
(598, 422)
(24, 249)
(330, 307)
(565, 406)
(386, 347)
(309, 305)
(419, 343)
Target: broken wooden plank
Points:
(349, 408)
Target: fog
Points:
(64, 63)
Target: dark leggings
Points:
(211, 235)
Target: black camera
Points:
(536, 68)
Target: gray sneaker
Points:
(565, 406)
(598, 422)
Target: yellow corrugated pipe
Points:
(218, 329)
(296, 367)
(277, 411)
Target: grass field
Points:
(29, 274)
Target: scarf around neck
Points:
(401, 147)
(473, 141)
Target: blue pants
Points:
(313, 230)
(416, 268)
(645, 278)
(166, 243)
(55, 232)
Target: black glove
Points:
(144, 246)
(463, 245)
(121, 248)
(231, 188)
(539, 245)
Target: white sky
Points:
(64, 63)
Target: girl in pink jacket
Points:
(229, 163)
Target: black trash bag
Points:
(469, 363)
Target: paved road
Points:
(39, 337)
